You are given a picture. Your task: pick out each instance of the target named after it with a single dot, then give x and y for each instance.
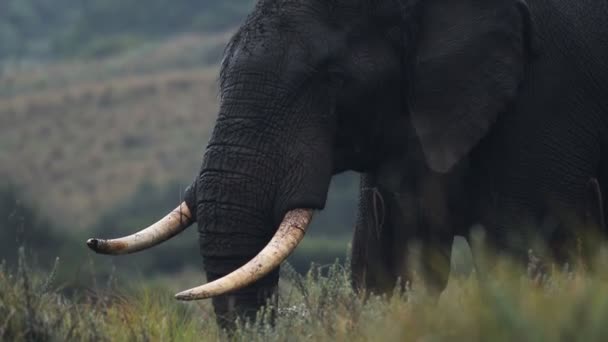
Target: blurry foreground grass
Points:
(506, 307)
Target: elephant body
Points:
(456, 113)
(536, 176)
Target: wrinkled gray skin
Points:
(457, 112)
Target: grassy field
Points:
(506, 306)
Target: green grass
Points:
(507, 306)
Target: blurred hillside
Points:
(98, 97)
(81, 136)
(78, 142)
(41, 29)
(105, 109)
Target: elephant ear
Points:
(469, 59)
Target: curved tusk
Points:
(174, 223)
(285, 240)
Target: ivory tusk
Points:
(174, 223)
(285, 240)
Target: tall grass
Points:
(319, 306)
(32, 308)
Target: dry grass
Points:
(507, 306)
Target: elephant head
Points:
(312, 88)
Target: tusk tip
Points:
(100, 246)
(184, 296)
(93, 244)
(193, 294)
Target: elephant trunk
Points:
(235, 206)
(255, 173)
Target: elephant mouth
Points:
(287, 237)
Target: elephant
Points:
(455, 112)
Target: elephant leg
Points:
(583, 229)
(594, 213)
(445, 212)
(425, 262)
(371, 260)
(400, 234)
(593, 232)
(435, 265)
(552, 232)
(422, 244)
